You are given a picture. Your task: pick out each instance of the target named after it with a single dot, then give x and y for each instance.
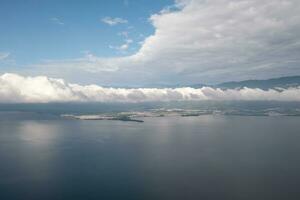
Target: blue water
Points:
(205, 157)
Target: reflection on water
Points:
(38, 133)
(206, 157)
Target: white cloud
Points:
(222, 39)
(88, 63)
(113, 21)
(124, 34)
(211, 41)
(122, 47)
(56, 20)
(4, 55)
(41, 89)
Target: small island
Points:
(103, 117)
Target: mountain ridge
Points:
(280, 82)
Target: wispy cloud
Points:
(122, 47)
(89, 63)
(57, 21)
(124, 34)
(113, 21)
(41, 89)
(4, 55)
(126, 3)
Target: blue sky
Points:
(147, 43)
(36, 30)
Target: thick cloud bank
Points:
(204, 41)
(41, 89)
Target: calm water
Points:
(207, 157)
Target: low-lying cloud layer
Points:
(41, 89)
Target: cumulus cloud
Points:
(113, 21)
(218, 38)
(213, 41)
(41, 89)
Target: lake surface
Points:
(204, 157)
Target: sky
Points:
(123, 43)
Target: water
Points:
(205, 157)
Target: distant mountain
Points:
(282, 82)
(171, 86)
